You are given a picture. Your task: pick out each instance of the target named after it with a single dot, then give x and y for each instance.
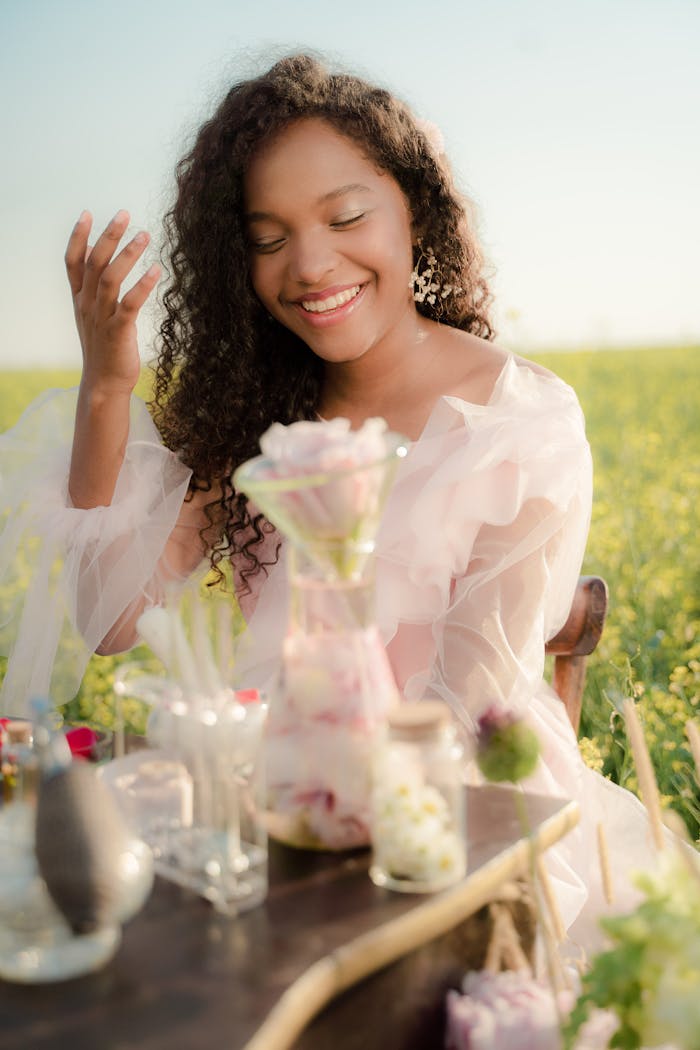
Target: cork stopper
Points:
(415, 720)
(19, 732)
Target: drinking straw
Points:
(224, 639)
(204, 657)
(183, 657)
(645, 772)
(604, 861)
(154, 627)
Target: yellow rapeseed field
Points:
(643, 416)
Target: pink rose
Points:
(323, 485)
(502, 1011)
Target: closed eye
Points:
(342, 224)
(267, 247)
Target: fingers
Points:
(76, 251)
(136, 296)
(96, 274)
(112, 276)
(102, 252)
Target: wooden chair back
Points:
(576, 641)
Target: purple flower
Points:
(507, 749)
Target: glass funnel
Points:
(335, 685)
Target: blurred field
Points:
(643, 416)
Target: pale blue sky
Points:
(574, 126)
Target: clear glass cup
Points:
(196, 793)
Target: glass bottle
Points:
(335, 685)
(418, 801)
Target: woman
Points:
(322, 264)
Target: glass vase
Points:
(335, 686)
(333, 693)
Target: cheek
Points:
(397, 251)
(261, 280)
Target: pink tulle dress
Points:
(478, 556)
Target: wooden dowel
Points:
(550, 900)
(645, 772)
(494, 953)
(512, 953)
(604, 861)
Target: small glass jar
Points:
(418, 801)
(19, 771)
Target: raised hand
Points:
(106, 323)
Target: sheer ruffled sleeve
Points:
(70, 577)
(495, 543)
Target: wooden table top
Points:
(185, 976)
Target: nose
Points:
(312, 257)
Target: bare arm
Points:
(111, 366)
(111, 363)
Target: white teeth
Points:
(320, 306)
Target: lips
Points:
(331, 306)
(315, 305)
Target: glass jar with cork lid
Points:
(418, 801)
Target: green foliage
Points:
(641, 409)
(650, 975)
(643, 423)
(18, 389)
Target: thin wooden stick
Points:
(556, 974)
(604, 861)
(559, 929)
(504, 951)
(693, 734)
(494, 954)
(645, 772)
(512, 953)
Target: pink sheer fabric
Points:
(477, 561)
(68, 577)
(479, 551)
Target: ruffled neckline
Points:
(518, 391)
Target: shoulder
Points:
(480, 371)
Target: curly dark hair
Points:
(225, 370)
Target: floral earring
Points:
(426, 280)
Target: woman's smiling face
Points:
(330, 241)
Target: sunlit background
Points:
(573, 126)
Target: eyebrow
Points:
(341, 191)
